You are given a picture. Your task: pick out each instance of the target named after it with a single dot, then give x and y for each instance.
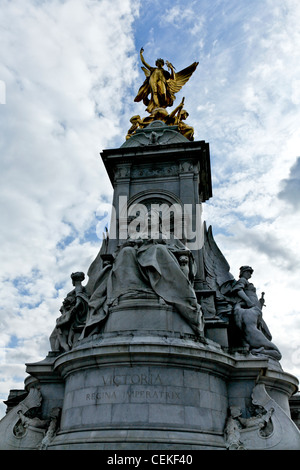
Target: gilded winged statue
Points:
(161, 84)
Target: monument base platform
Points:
(142, 391)
(148, 382)
(159, 439)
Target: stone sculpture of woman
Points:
(73, 315)
(248, 315)
(144, 264)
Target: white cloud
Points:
(248, 114)
(68, 67)
(182, 16)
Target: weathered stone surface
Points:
(142, 377)
(162, 388)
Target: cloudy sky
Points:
(69, 71)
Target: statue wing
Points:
(181, 78)
(145, 89)
(97, 265)
(217, 269)
(146, 72)
(217, 273)
(143, 93)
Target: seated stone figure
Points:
(247, 312)
(70, 324)
(143, 267)
(237, 300)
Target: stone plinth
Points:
(140, 390)
(147, 382)
(151, 316)
(143, 392)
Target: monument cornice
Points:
(195, 154)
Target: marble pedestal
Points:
(148, 383)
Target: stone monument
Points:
(162, 348)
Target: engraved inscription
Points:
(139, 394)
(156, 394)
(134, 388)
(135, 379)
(112, 388)
(100, 396)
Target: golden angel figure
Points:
(160, 84)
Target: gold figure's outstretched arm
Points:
(143, 60)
